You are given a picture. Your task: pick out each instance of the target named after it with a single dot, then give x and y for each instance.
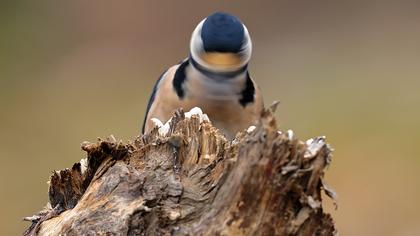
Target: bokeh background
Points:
(76, 70)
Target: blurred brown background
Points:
(72, 71)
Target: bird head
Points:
(221, 43)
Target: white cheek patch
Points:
(197, 48)
(163, 129)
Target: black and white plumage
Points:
(214, 77)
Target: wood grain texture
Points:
(192, 182)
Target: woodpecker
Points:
(214, 78)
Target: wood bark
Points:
(192, 181)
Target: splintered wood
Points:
(192, 181)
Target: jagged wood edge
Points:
(105, 153)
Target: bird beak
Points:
(221, 60)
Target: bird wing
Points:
(152, 99)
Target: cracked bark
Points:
(192, 181)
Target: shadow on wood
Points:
(192, 181)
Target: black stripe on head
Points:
(151, 100)
(179, 79)
(248, 93)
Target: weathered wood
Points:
(192, 181)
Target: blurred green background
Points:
(76, 70)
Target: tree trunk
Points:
(192, 181)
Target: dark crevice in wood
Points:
(192, 182)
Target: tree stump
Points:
(192, 181)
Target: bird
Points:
(214, 77)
